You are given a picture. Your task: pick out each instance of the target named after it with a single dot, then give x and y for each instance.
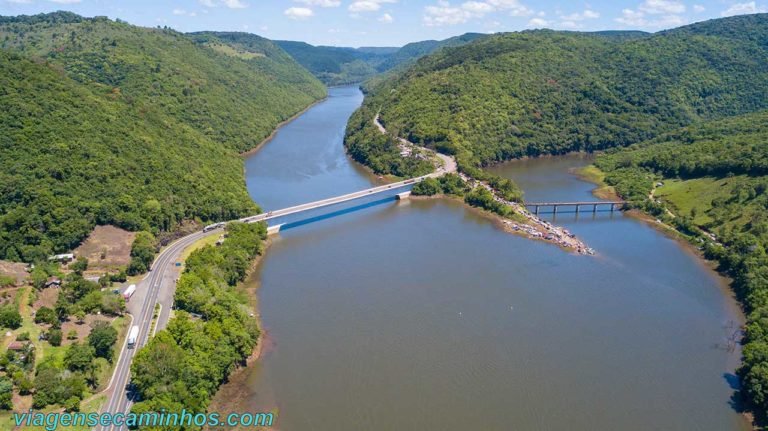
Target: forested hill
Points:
(107, 123)
(337, 65)
(233, 95)
(540, 92)
(413, 51)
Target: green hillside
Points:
(411, 52)
(338, 66)
(335, 65)
(547, 92)
(72, 159)
(715, 178)
(189, 78)
(107, 123)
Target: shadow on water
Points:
(307, 221)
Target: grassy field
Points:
(594, 175)
(695, 198)
(692, 197)
(209, 240)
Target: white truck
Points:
(214, 226)
(129, 292)
(133, 335)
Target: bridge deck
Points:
(551, 204)
(333, 201)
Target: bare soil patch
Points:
(82, 329)
(46, 297)
(107, 248)
(15, 270)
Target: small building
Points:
(53, 282)
(62, 258)
(17, 346)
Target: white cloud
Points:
(232, 4)
(743, 9)
(587, 14)
(368, 5)
(320, 3)
(19, 1)
(65, 1)
(654, 14)
(699, 8)
(477, 7)
(632, 18)
(183, 12)
(299, 13)
(538, 23)
(658, 7)
(386, 18)
(445, 14)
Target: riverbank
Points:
(279, 125)
(236, 384)
(518, 219)
(594, 175)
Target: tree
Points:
(46, 315)
(72, 404)
(102, 338)
(113, 305)
(80, 315)
(79, 358)
(142, 253)
(72, 334)
(79, 266)
(54, 337)
(10, 317)
(6, 394)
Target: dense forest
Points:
(547, 92)
(339, 66)
(107, 123)
(232, 95)
(715, 177)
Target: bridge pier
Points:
(554, 209)
(594, 208)
(536, 210)
(577, 208)
(273, 230)
(403, 195)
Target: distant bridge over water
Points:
(311, 206)
(575, 206)
(397, 190)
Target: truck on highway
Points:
(214, 226)
(129, 292)
(133, 336)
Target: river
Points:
(424, 315)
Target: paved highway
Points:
(160, 279)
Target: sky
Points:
(393, 22)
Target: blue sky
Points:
(393, 22)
